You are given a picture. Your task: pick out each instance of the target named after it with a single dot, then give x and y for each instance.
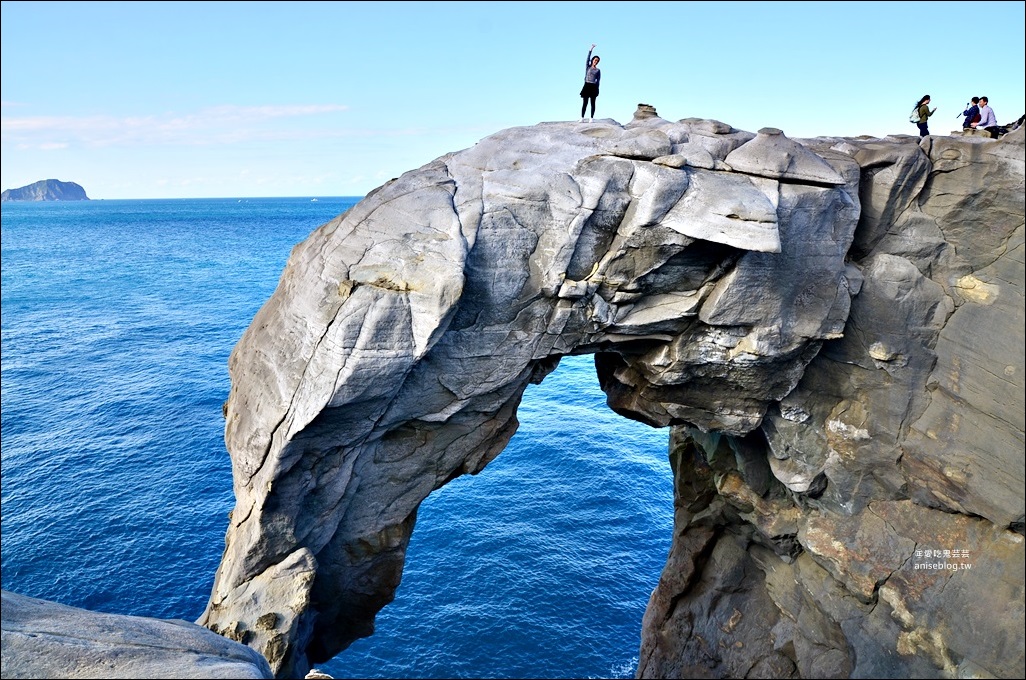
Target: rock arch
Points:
(704, 266)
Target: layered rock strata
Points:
(873, 522)
(832, 327)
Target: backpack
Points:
(914, 116)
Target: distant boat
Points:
(313, 200)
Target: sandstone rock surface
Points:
(833, 328)
(49, 640)
(889, 542)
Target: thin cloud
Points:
(257, 112)
(211, 126)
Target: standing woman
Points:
(590, 91)
(924, 112)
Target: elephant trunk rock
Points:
(710, 271)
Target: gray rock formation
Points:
(48, 640)
(46, 190)
(888, 542)
(833, 328)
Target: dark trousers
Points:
(588, 94)
(584, 105)
(923, 129)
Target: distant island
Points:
(46, 190)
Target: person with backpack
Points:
(971, 113)
(921, 113)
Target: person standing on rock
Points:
(988, 121)
(924, 111)
(590, 91)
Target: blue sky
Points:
(244, 99)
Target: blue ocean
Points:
(117, 321)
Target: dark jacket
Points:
(972, 115)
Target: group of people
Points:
(978, 116)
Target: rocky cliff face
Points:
(872, 524)
(833, 328)
(46, 190)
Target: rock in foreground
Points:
(48, 640)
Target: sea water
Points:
(117, 321)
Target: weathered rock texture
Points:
(833, 328)
(872, 523)
(48, 640)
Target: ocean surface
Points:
(117, 321)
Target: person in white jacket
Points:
(988, 121)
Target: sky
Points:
(253, 99)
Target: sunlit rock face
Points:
(43, 639)
(802, 306)
(872, 524)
